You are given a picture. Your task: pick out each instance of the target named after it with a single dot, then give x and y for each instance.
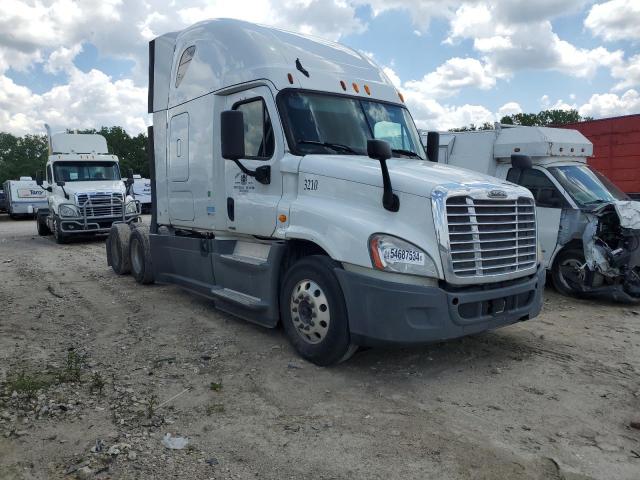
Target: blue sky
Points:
(81, 64)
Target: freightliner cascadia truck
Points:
(289, 185)
(589, 230)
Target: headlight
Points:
(131, 208)
(392, 254)
(68, 211)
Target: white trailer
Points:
(290, 186)
(85, 193)
(23, 197)
(589, 230)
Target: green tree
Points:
(21, 156)
(545, 118)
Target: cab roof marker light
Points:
(290, 77)
(367, 89)
(401, 97)
(343, 85)
(356, 87)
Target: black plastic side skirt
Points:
(247, 288)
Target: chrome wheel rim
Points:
(310, 312)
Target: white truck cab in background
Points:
(23, 197)
(290, 185)
(589, 230)
(141, 191)
(85, 192)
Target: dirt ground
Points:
(95, 370)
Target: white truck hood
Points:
(417, 177)
(92, 187)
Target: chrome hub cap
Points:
(310, 311)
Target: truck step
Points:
(239, 298)
(244, 259)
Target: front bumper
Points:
(382, 312)
(92, 225)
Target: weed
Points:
(151, 404)
(73, 367)
(215, 386)
(27, 384)
(97, 383)
(214, 408)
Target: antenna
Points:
(48, 129)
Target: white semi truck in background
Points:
(141, 191)
(85, 192)
(589, 230)
(289, 185)
(23, 197)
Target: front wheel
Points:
(43, 229)
(567, 272)
(313, 312)
(58, 234)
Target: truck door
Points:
(251, 206)
(181, 206)
(549, 205)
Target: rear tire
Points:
(140, 256)
(565, 272)
(43, 229)
(313, 312)
(118, 248)
(58, 234)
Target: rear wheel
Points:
(567, 273)
(140, 256)
(313, 312)
(118, 248)
(58, 234)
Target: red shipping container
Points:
(616, 149)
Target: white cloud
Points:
(509, 108)
(615, 20)
(508, 43)
(611, 104)
(628, 73)
(453, 75)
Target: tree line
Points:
(545, 118)
(26, 155)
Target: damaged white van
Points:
(588, 228)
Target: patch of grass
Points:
(97, 383)
(214, 408)
(27, 384)
(215, 386)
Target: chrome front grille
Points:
(491, 237)
(101, 204)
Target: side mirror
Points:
(381, 151)
(232, 134)
(521, 161)
(60, 183)
(39, 179)
(433, 146)
(130, 180)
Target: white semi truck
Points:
(589, 230)
(141, 191)
(85, 192)
(22, 198)
(290, 186)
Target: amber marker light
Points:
(356, 87)
(375, 254)
(290, 77)
(282, 217)
(343, 85)
(366, 89)
(401, 97)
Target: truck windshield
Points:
(324, 123)
(586, 186)
(85, 171)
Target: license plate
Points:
(402, 255)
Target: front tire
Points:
(43, 229)
(313, 312)
(566, 272)
(58, 234)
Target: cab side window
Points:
(258, 132)
(545, 193)
(185, 61)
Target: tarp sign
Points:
(30, 193)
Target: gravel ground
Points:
(95, 371)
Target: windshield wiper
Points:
(408, 153)
(338, 147)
